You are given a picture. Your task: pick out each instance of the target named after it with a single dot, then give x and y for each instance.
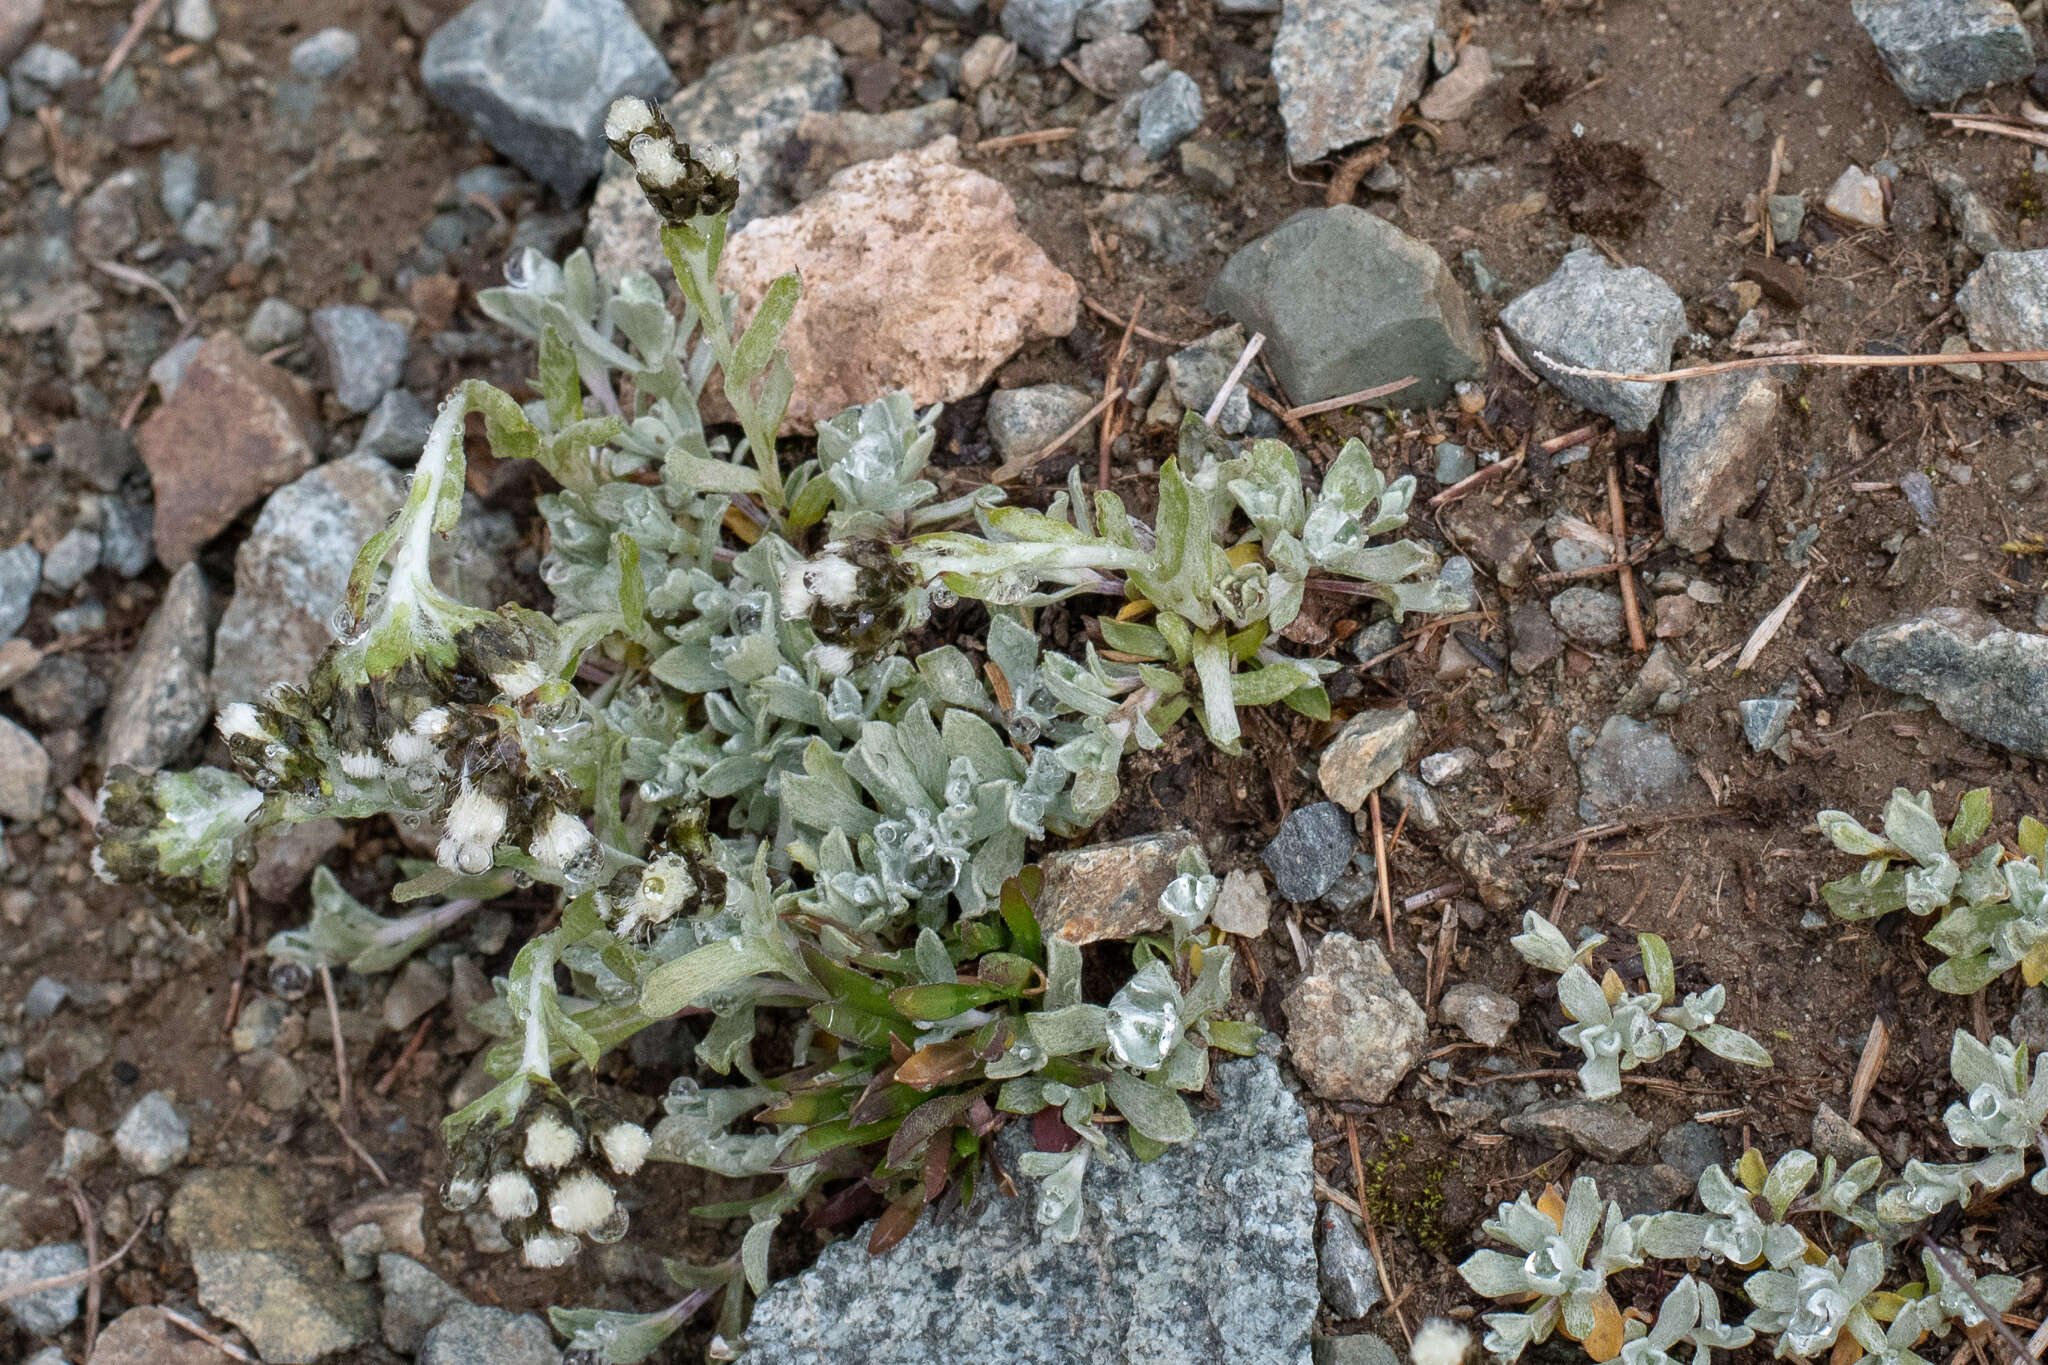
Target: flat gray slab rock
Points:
(751, 103)
(1938, 51)
(1716, 438)
(1592, 316)
(1348, 302)
(2006, 302)
(1985, 679)
(1353, 1031)
(1347, 68)
(1630, 765)
(1206, 1254)
(534, 78)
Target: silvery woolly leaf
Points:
(1910, 824)
(1187, 900)
(1059, 1176)
(1074, 1028)
(1156, 1111)
(1848, 834)
(1145, 1018)
(1543, 944)
(613, 1337)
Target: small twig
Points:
(1571, 873)
(1352, 169)
(142, 279)
(1384, 895)
(1146, 332)
(71, 1277)
(1593, 570)
(1821, 360)
(213, 1339)
(1955, 1272)
(144, 12)
(1032, 139)
(89, 1225)
(406, 1054)
(1507, 353)
(334, 1025)
(1244, 360)
(1485, 474)
(1576, 436)
(1983, 125)
(1112, 423)
(1763, 201)
(1618, 529)
(1280, 410)
(1372, 1236)
(1348, 400)
(349, 1139)
(1010, 469)
(1767, 628)
(1875, 1049)
(1423, 899)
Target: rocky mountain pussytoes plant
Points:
(758, 788)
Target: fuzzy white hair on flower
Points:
(581, 1202)
(834, 661)
(628, 117)
(834, 579)
(1440, 1342)
(797, 599)
(719, 158)
(550, 1143)
(462, 1191)
(657, 163)
(522, 680)
(626, 1146)
(476, 821)
(240, 720)
(364, 765)
(408, 749)
(559, 841)
(549, 1250)
(665, 884)
(431, 723)
(512, 1195)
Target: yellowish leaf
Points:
(1609, 1332)
(1751, 1171)
(1131, 611)
(2034, 966)
(1551, 1205)
(1612, 987)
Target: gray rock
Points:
(18, 1122)
(1639, 1189)
(1938, 51)
(1311, 851)
(826, 143)
(534, 78)
(470, 1335)
(287, 854)
(167, 371)
(1715, 443)
(76, 554)
(109, 219)
(1985, 679)
(1406, 794)
(415, 1299)
(98, 453)
(21, 571)
(260, 1269)
(1168, 112)
(1110, 890)
(180, 180)
(1043, 28)
(1347, 302)
(1588, 615)
(1485, 863)
(1661, 688)
(363, 353)
(1590, 315)
(127, 535)
(1349, 1276)
(2006, 302)
(1691, 1147)
(49, 1311)
(751, 103)
(84, 619)
(1347, 68)
(1360, 1348)
(417, 989)
(1835, 1136)
(82, 1152)
(210, 224)
(1354, 1031)
(60, 693)
(1102, 18)
(1632, 765)
(275, 322)
(153, 1137)
(1208, 167)
(1606, 1129)
(1454, 464)
(396, 428)
(1370, 748)
(1975, 221)
(1448, 766)
(194, 20)
(1788, 216)
(1481, 1013)
(2030, 1021)
(1196, 375)
(1024, 421)
(1764, 720)
(46, 995)
(1172, 229)
(325, 54)
(162, 702)
(1534, 639)
(24, 773)
(1139, 1284)
(1242, 907)
(39, 76)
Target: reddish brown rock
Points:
(916, 277)
(235, 429)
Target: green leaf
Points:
(1132, 637)
(632, 587)
(1311, 701)
(1157, 1112)
(560, 384)
(1973, 817)
(2033, 838)
(1264, 686)
(1657, 967)
(676, 984)
(616, 1338)
(1239, 1036)
(693, 474)
(757, 346)
(1965, 975)
(1017, 895)
(933, 1003)
(1068, 1030)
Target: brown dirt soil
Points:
(1679, 106)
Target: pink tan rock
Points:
(235, 429)
(916, 276)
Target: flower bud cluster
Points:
(856, 597)
(681, 182)
(549, 1175)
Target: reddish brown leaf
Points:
(896, 1222)
(938, 1163)
(940, 1062)
(1049, 1132)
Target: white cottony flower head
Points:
(834, 661)
(431, 723)
(719, 158)
(795, 592)
(559, 841)
(462, 1191)
(408, 749)
(512, 1195)
(1440, 1342)
(239, 720)
(626, 1146)
(628, 117)
(581, 1203)
(476, 821)
(666, 884)
(833, 579)
(548, 1250)
(363, 765)
(550, 1143)
(657, 163)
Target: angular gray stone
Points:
(752, 103)
(1788, 215)
(1141, 1283)
(1835, 1136)
(1986, 680)
(1024, 421)
(99, 453)
(21, 571)
(162, 703)
(469, 1335)
(1764, 720)
(1195, 376)
(210, 224)
(1360, 1348)
(415, 1300)
(326, 54)
(534, 78)
(1043, 28)
(108, 222)
(1311, 851)
(1353, 1031)
(2006, 302)
(1242, 906)
(49, 1311)
(1606, 1129)
(1347, 68)
(1101, 18)
(1346, 1270)
(1481, 1013)
(826, 143)
(1370, 748)
(1639, 1189)
(1110, 890)
(40, 74)
(396, 428)
(363, 353)
(1590, 315)
(1938, 51)
(1588, 615)
(1690, 1147)
(2030, 1021)
(153, 1136)
(275, 323)
(1632, 765)
(1976, 223)
(1168, 112)
(194, 20)
(60, 693)
(76, 554)
(1715, 443)
(24, 773)
(1485, 863)
(1348, 302)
